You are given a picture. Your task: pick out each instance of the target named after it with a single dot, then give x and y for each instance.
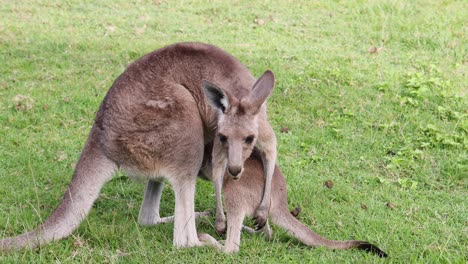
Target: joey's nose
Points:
(235, 170)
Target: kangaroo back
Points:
(92, 171)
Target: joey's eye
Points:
(249, 139)
(222, 138)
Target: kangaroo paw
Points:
(220, 226)
(260, 217)
(220, 223)
(296, 211)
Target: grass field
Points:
(372, 93)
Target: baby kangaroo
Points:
(241, 198)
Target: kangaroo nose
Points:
(235, 170)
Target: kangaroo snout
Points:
(235, 171)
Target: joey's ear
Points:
(260, 91)
(216, 96)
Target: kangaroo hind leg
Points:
(185, 233)
(234, 228)
(149, 211)
(233, 234)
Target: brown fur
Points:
(154, 123)
(242, 197)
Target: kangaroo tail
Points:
(295, 228)
(92, 171)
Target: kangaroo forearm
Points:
(268, 173)
(269, 161)
(219, 167)
(218, 184)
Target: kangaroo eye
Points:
(249, 139)
(222, 138)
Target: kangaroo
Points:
(154, 123)
(241, 198)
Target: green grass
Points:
(386, 127)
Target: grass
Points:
(373, 94)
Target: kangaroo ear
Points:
(260, 92)
(216, 96)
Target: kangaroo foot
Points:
(208, 240)
(156, 220)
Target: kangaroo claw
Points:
(259, 223)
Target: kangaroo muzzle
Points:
(235, 171)
(235, 164)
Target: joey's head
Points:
(238, 125)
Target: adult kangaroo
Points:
(242, 197)
(154, 123)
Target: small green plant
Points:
(433, 136)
